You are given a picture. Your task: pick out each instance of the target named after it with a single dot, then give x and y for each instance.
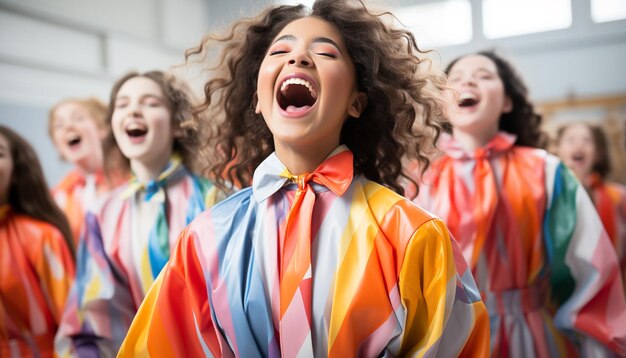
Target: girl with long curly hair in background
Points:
(128, 235)
(531, 236)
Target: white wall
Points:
(50, 50)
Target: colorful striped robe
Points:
(610, 201)
(36, 273)
(125, 243)
(540, 256)
(334, 266)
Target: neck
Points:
(470, 141)
(90, 165)
(148, 171)
(302, 160)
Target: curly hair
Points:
(522, 120)
(179, 102)
(28, 191)
(602, 161)
(403, 112)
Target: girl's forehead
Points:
(579, 129)
(140, 85)
(311, 27)
(474, 62)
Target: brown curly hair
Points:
(179, 102)
(401, 119)
(522, 120)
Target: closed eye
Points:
(277, 52)
(326, 54)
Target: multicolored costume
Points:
(75, 193)
(319, 264)
(610, 201)
(36, 273)
(536, 246)
(125, 244)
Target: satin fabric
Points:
(381, 276)
(545, 266)
(76, 192)
(610, 201)
(126, 241)
(36, 272)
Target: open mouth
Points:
(296, 95)
(74, 141)
(467, 100)
(136, 130)
(578, 158)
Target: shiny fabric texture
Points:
(610, 201)
(125, 243)
(544, 266)
(76, 192)
(36, 273)
(377, 276)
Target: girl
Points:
(319, 257)
(531, 236)
(584, 149)
(36, 255)
(128, 236)
(78, 129)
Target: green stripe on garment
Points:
(560, 223)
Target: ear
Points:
(508, 105)
(358, 104)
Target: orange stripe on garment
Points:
(368, 309)
(523, 179)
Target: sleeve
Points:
(55, 270)
(444, 313)
(585, 279)
(175, 318)
(100, 307)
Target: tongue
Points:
(294, 109)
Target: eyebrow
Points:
(480, 69)
(315, 40)
(142, 97)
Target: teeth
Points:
(465, 96)
(134, 126)
(298, 81)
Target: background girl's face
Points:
(142, 121)
(480, 99)
(307, 85)
(576, 147)
(6, 169)
(76, 134)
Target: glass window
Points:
(608, 10)
(447, 22)
(504, 18)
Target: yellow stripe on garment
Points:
(136, 342)
(426, 311)
(354, 253)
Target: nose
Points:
(300, 59)
(469, 81)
